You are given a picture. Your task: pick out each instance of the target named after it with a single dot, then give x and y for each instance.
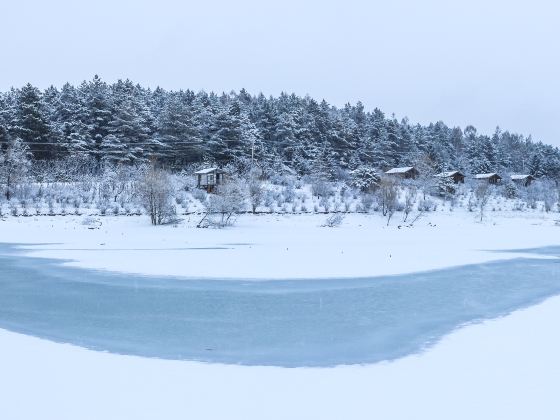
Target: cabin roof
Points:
(486, 176)
(402, 170)
(207, 171)
(449, 174)
(521, 177)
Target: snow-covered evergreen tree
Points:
(30, 123)
(126, 123)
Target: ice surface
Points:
(281, 323)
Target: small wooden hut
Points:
(456, 176)
(407, 172)
(524, 180)
(209, 178)
(491, 178)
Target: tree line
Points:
(125, 123)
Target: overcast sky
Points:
(477, 62)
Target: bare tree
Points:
(14, 165)
(116, 179)
(255, 191)
(388, 197)
(548, 194)
(221, 207)
(426, 179)
(482, 194)
(321, 187)
(156, 192)
(409, 200)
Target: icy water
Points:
(280, 323)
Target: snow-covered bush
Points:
(334, 220)
(325, 203)
(321, 188)
(365, 178)
(367, 201)
(91, 222)
(222, 206)
(387, 195)
(256, 192)
(510, 190)
(427, 204)
(199, 195)
(446, 188)
(155, 191)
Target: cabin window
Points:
(211, 179)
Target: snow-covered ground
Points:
(284, 246)
(504, 368)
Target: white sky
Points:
(477, 62)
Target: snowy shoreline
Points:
(268, 247)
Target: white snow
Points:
(501, 369)
(448, 174)
(399, 170)
(205, 171)
(291, 246)
(485, 176)
(520, 177)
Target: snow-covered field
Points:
(284, 246)
(504, 368)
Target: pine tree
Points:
(128, 135)
(31, 124)
(5, 118)
(98, 113)
(383, 141)
(476, 152)
(126, 123)
(70, 115)
(178, 131)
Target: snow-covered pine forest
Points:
(101, 148)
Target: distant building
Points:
(524, 180)
(407, 172)
(491, 178)
(456, 176)
(210, 178)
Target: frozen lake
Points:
(281, 323)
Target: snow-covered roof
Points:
(448, 174)
(486, 176)
(399, 170)
(206, 171)
(520, 177)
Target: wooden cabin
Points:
(491, 178)
(209, 178)
(407, 172)
(524, 180)
(456, 176)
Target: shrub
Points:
(334, 220)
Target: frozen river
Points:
(281, 323)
